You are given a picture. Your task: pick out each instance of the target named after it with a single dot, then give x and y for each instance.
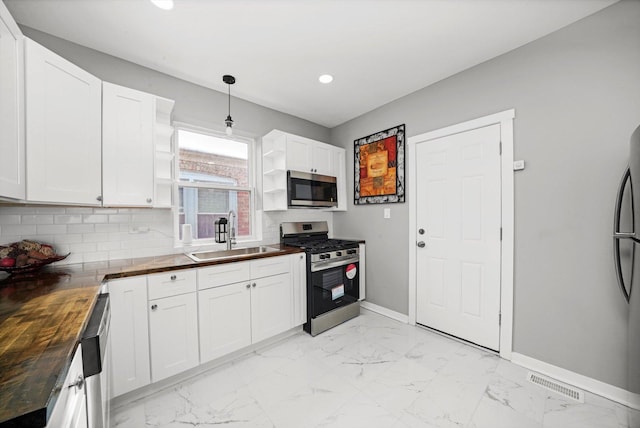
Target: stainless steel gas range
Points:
(333, 278)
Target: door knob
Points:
(421, 244)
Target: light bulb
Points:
(229, 131)
(163, 4)
(325, 78)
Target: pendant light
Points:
(229, 80)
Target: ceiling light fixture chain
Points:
(229, 80)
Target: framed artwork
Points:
(379, 167)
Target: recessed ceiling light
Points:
(325, 78)
(163, 4)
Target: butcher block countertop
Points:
(42, 317)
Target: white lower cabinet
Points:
(225, 320)
(254, 304)
(270, 306)
(173, 334)
(70, 410)
(129, 334)
(164, 324)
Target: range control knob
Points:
(338, 253)
(351, 251)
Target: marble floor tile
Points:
(369, 372)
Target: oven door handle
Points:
(315, 267)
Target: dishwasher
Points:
(96, 363)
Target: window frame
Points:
(254, 215)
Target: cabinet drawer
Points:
(223, 274)
(171, 283)
(269, 266)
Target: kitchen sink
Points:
(206, 256)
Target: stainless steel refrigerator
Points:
(626, 238)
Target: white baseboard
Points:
(594, 386)
(384, 311)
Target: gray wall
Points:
(195, 104)
(576, 94)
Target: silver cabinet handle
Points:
(99, 198)
(149, 200)
(173, 277)
(421, 244)
(254, 285)
(248, 286)
(154, 307)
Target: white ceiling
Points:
(377, 50)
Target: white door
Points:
(173, 335)
(12, 171)
(127, 146)
(129, 335)
(271, 310)
(458, 211)
(225, 319)
(63, 129)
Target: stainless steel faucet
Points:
(232, 231)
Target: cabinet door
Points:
(12, 171)
(70, 410)
(225, 320)
(299, 288)
(173, 335)
(298, 154)
(129, 334)
(271, 311)
(63, 129)
(322, 159)
(127, 146)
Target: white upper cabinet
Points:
(282, 152)
(310, 156)
(12, 171)
(127, 146)
(63, 130)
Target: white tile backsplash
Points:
(98, 234)
(90, 234)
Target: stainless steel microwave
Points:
(306, 190)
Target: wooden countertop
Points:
(42, 317)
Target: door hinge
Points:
(500, 148)
(499, 318)
(501, 233)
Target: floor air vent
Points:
(555, 386)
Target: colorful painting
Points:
(379, 167)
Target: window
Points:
(214, 177)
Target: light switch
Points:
(387, 213)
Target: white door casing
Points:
(504, 120)
(458, 212)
